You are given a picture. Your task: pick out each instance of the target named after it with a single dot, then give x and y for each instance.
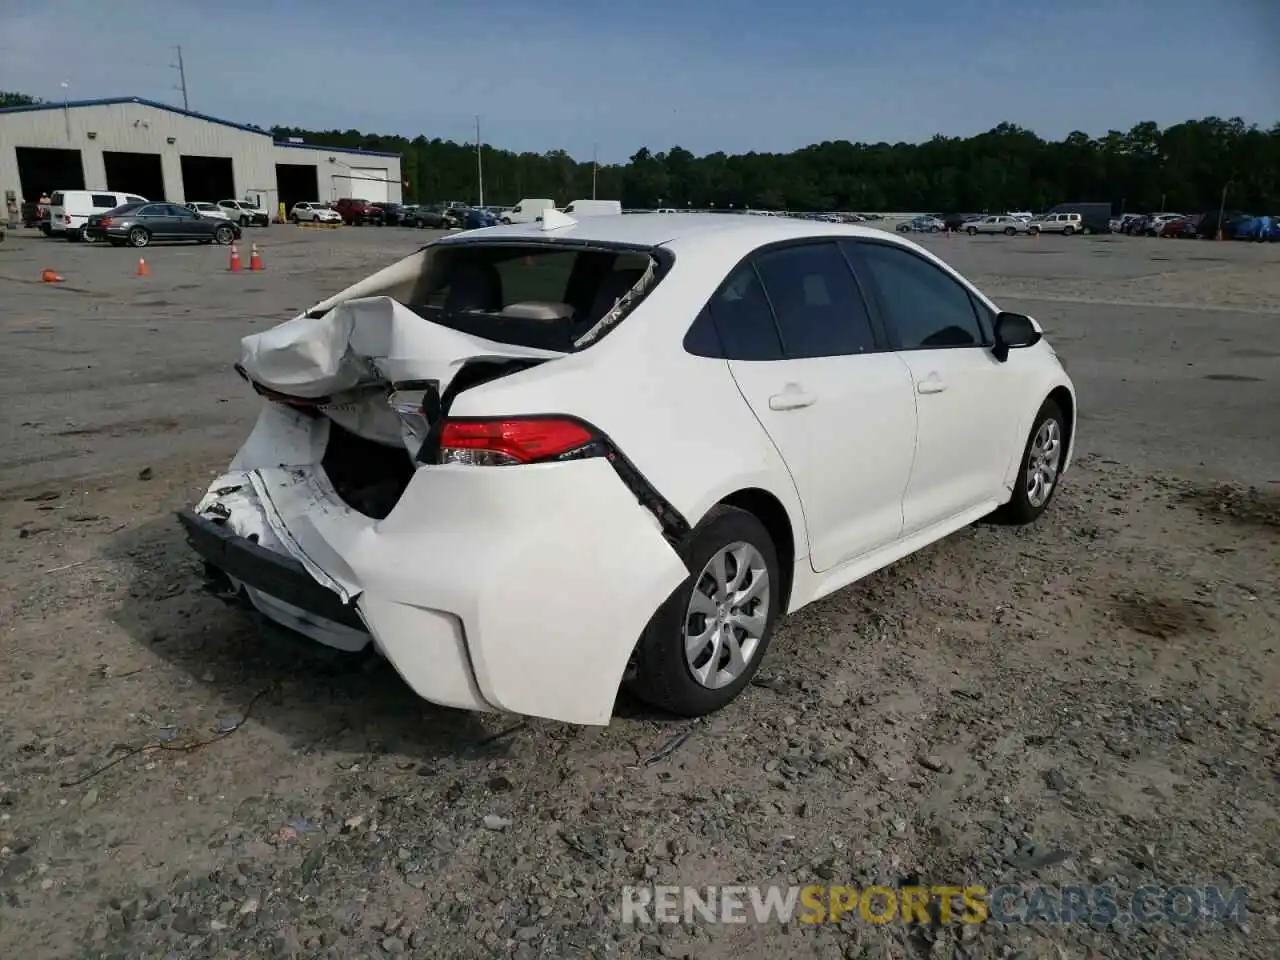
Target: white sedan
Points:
(208, 210)
(530, 464)
(307, 212)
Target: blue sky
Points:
(705, 74)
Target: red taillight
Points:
(104, 222)
(503, 442)
(66, 218)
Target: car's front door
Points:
(183, 224)
(967, 402)
(836, 403)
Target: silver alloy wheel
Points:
(727, 615)
(1043, 461)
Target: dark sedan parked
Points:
(138, 224)
(432, 218)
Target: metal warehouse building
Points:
(165, 153)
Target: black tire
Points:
(658, 672)
(1009, 231)
(139, 237)
(244, 222)
(1068, 231)
(972, 231)
(1020, 510)
(1034, 231)
(224, 235)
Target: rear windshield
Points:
(56, 200)
(533, 296)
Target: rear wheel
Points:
(224, 235)
(972, 231)
(138, 237)
(1034, 231)
(1009, 231)
(1068, 231)
(704, 644)
(1039, 469)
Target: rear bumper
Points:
(275, 574)
(514, 589)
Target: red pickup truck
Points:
(358, 212)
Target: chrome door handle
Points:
(792, 399)
(931, 385)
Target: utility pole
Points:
(595, 167)
(182, 78)
(66, 109)
(1222, 207)
(479, 163)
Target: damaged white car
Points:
(530, 464)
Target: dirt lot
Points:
(1095, 700)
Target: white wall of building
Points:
(142, 127)
(346, 173)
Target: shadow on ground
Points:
(314, 696)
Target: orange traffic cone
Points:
(143, 270)
(48, 276)
(235, 260)
(255, 261)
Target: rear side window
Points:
(153, 210)
(742, 317)
(816, 300)
(924, 305)
(103, 201)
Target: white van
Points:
(70, 210)
(527, 211)
(594, 208)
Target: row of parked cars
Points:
(1234, 225)
(69, 213)
(1008, 224)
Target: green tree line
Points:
(1182, 167)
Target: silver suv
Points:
(1008, 225)
(1063, 223)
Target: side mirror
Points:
(1014, 330)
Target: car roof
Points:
(675, 230)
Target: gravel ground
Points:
(1093, 700)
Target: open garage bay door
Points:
(138, 173)
(44, 170)
(367, 183)
(207, 179)
(297, 183)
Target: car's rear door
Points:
(968, 403)
(836, 403)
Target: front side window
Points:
(925, 305)
(103, 201)
(815, 298)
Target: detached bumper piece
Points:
(272, 573)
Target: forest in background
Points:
(1184, 167)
